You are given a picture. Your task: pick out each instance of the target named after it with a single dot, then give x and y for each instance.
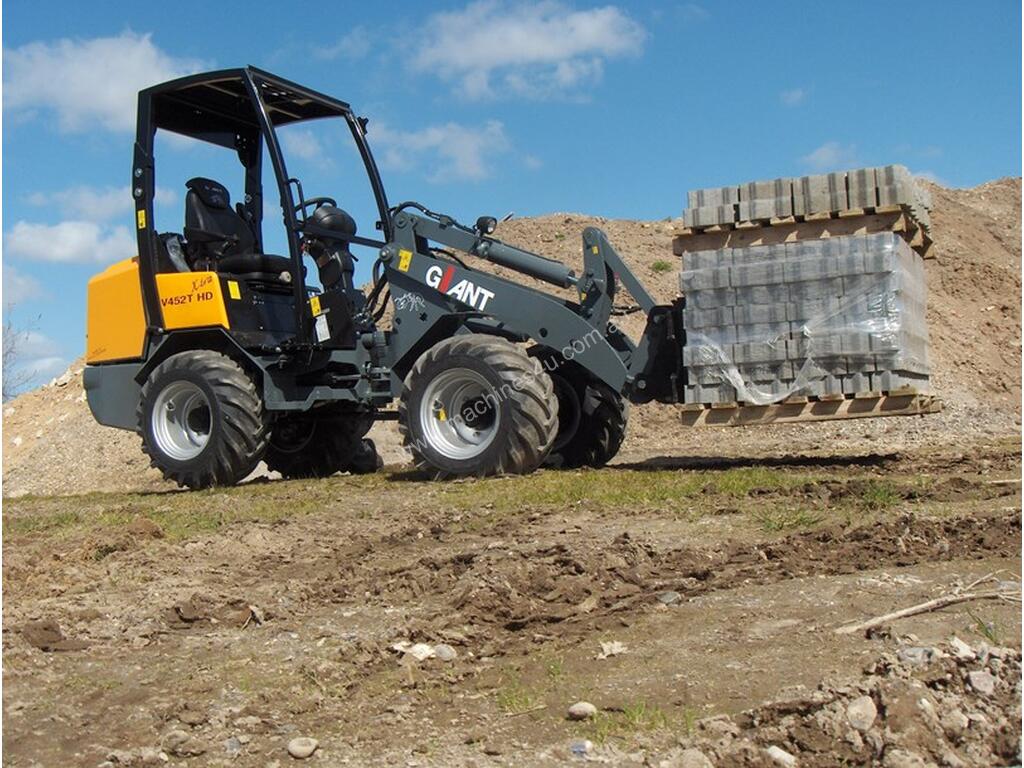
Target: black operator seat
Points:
(220, 237)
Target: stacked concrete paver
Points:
(825, 318)
(824, 194)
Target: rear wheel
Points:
(591, 415)
(477, 405)
(201, 420)
(322, 442)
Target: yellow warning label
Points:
(314, 305)
(140, 218)
(233, 291)
(593, 249)
(441, 415)
(404, 260)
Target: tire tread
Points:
(245, 426)
(534, 417)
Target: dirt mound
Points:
(52, 444)
(953, 705)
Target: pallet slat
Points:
(889, 219)
(859, 407)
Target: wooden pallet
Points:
(904, 402)
(812, 227)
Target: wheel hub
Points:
(293, 435)
(459, 413)
(181, 420)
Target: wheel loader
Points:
(220, 355)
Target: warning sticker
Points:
(140, 218)
(404, 260)
(233, 290)
(314, 305)
(323, 333)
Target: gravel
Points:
(981, 681)
(302, 747)
(861, 712)
(581, 710)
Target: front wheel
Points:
(477, 405)
(201, 420)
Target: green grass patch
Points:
(779, 520)
(514, 698)
(986, 629)
(635, 718)
(555, 671)
(41, 523)
(661, 266)
(184, 515)
(880, 495)
(742, 481)
(181, 515)
(612, 488)
(689, 719)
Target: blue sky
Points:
(489, 107)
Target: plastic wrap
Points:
(836, 316)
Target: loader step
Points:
(903, 402)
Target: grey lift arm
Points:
(436, 297)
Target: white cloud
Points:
(70, 241)
(450, 151)
(536, 50)
(36, 358)
(19, 287)
(831, 156)
(793, 97)
(29, 373)
(96, 203)
(85, 82)
(36, 346)
(356, 44)
(46, 368)
(302, 143)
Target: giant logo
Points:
(465, 290)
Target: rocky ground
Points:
(400, 622)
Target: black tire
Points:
(224, 405)
(592, 416)
(517, 412)
(321, 443)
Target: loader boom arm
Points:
(436, 297)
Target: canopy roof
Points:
(216, 106)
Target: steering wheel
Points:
(316, 202)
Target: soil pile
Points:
(954, 704)
(52, 445)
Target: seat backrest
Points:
(170, 256)
(212, 228)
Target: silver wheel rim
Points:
(459, 413)
(181, 420)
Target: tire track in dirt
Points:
(498, 594)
